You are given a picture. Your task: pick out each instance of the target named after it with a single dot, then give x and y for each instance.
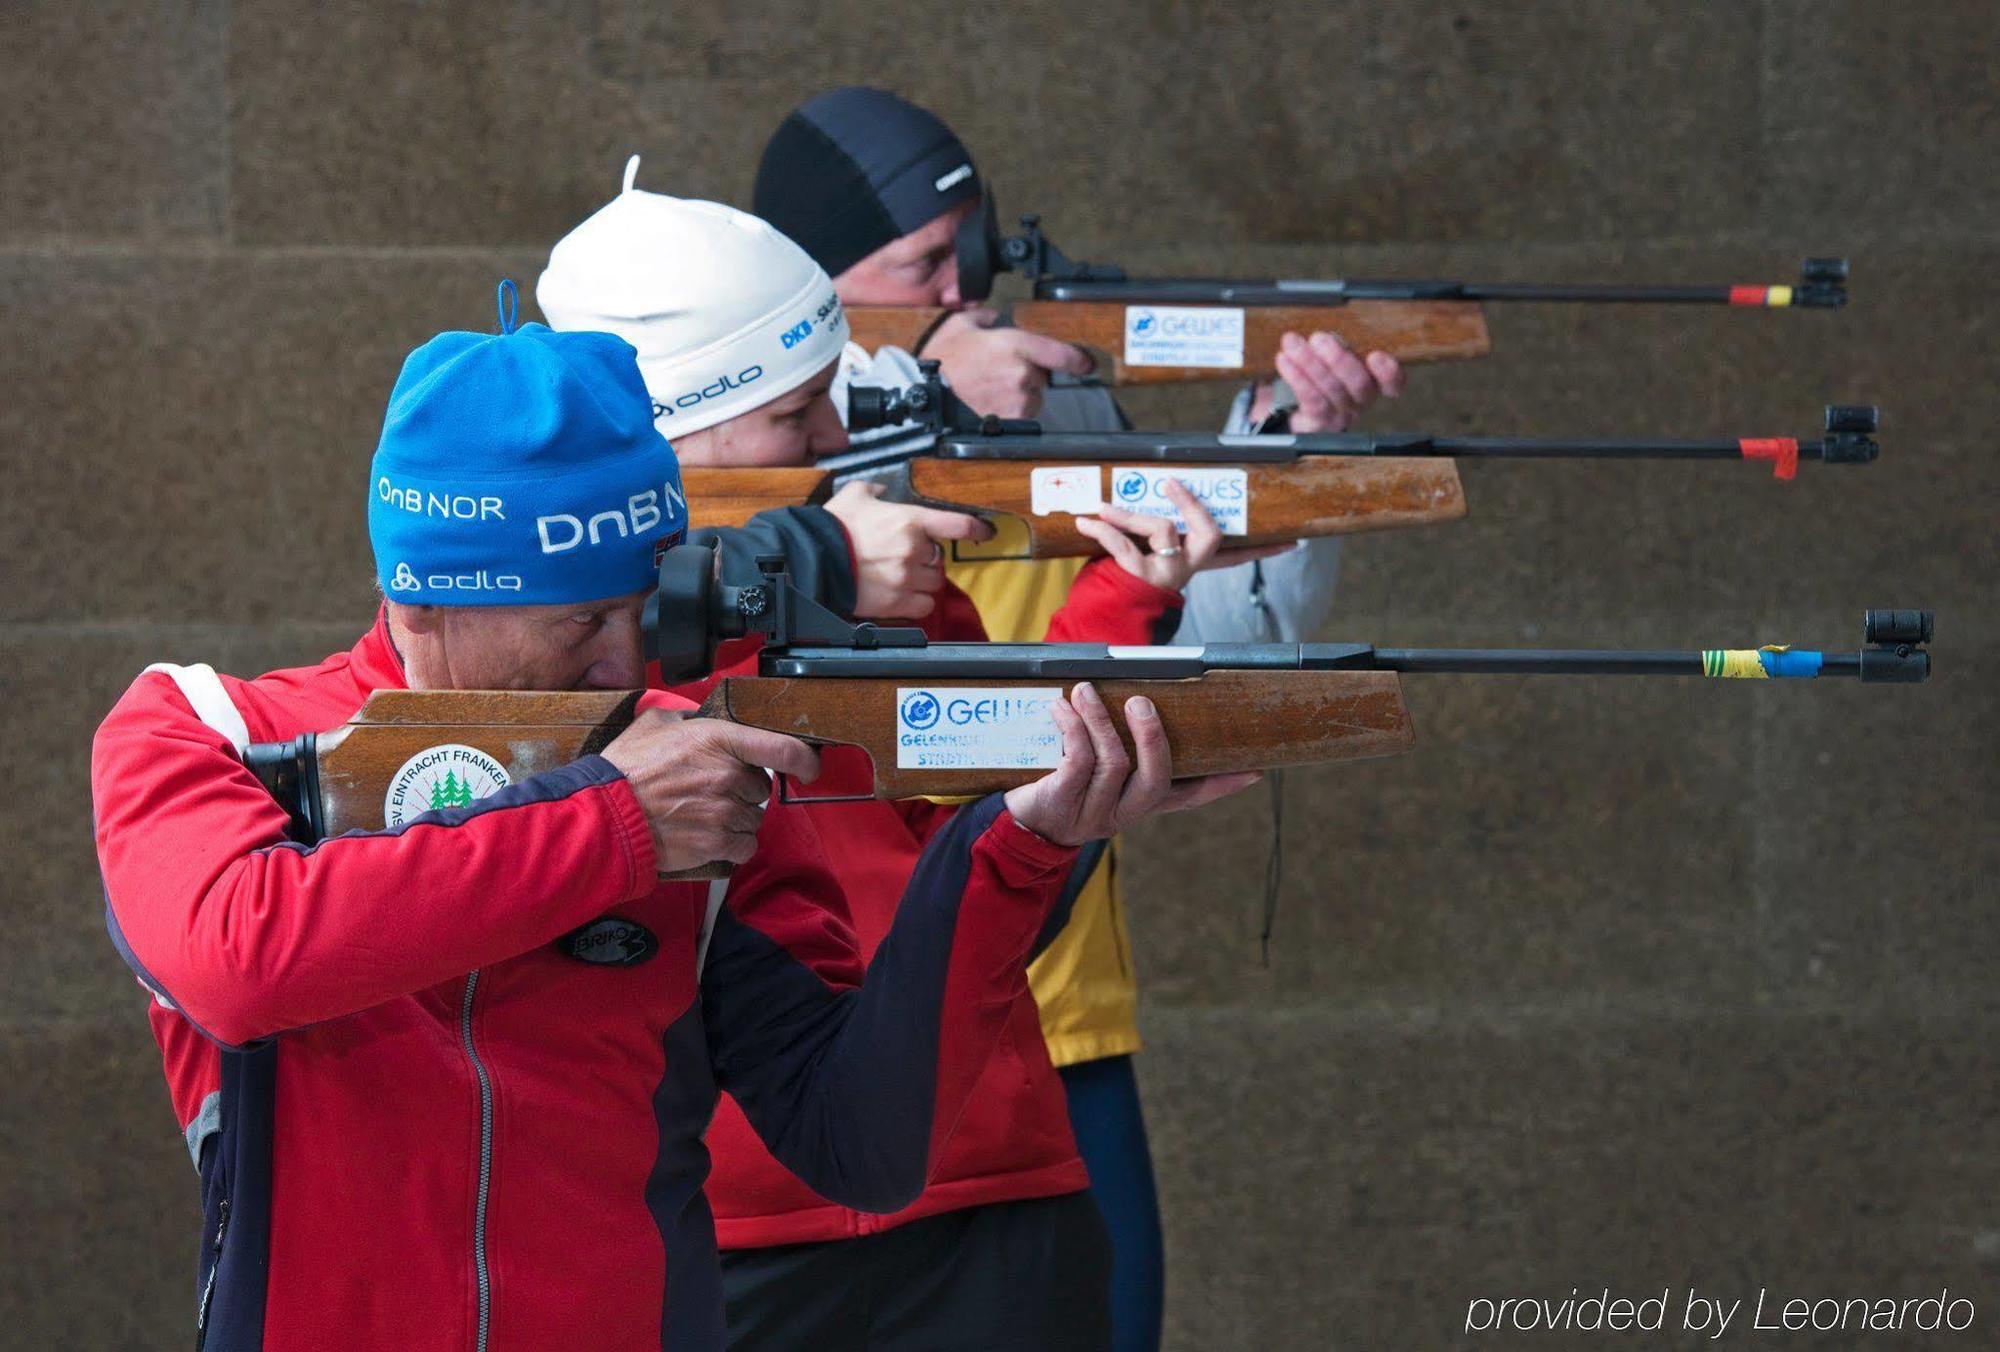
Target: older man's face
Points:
(921, 268)
(594, 646)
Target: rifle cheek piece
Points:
(983, 254)
(929, 406)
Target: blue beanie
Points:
(521, 469)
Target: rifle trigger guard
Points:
(790, 799)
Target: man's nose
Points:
(620, 660)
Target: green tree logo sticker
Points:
(440, 778)
(450, 791)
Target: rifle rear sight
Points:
(929, 405)
(692, 612)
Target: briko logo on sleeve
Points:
(438, 778)
(610, 941)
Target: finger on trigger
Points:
(772, 751)
(1052, 354)
(942, 525)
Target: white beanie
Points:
(726, 313)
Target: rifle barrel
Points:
(1809, 293)
(1096, 661)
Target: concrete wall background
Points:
(1645, 985)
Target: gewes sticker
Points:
(977, 728)
(1225, 492)
(1184, 335)
(1077, 489)
(447, 776)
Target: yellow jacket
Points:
(1083, 981)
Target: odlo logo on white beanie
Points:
(725, 312)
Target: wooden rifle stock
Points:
(1315, 495)
(1216, 723)
(526, 732)
(1412, 331)
(1302, 499)
(719, 496)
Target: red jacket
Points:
(1013, 1139)
(422, 1123)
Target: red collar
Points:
(374, 661)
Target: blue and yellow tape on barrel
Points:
(1760, 664)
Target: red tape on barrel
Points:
(1782, 452)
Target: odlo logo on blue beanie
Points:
(521, 469)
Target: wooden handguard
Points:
(1312, 496)
(1412, 331)
(1223, 721)
(720, 497)
(526, 732)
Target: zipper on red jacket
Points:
(485, 1157)
(215, 1266)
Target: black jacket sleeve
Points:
(812, 541)
(854, 1083)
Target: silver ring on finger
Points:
(937, 553)
(1166, 551)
